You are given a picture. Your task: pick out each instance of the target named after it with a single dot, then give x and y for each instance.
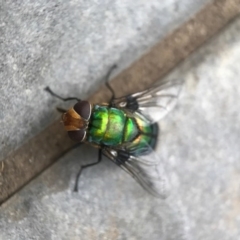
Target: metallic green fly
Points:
(126, 131)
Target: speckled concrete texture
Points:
(200, 141)
(69, 45)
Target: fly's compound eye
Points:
(77, 136)
(83, 108)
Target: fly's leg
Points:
(86, 166)
(47, 89)
(108, 85)
(131, 102)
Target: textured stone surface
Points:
(200, 142)
(69, 45)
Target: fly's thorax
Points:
(76, 120)
(106, 125)
(111, 126)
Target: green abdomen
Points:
(113, 127)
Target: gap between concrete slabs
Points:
(43, 150)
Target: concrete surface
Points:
(200, 142)
(69, 45)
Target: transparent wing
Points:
(154, 102)
(148, 170)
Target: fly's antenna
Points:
(61, 110)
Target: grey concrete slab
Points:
(109, 205)
(69, 45)
(200, 143)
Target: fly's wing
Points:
(148, 170)
(154, 102)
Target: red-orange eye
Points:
(83, 108)
(77, 136)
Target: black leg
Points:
(57, 96)
(86, 166)
(107, 82)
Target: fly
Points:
(125, 130)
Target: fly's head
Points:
(76, 119)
